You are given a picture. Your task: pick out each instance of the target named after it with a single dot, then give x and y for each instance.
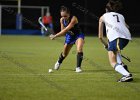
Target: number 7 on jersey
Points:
(117, 17)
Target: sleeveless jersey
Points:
(75, 30)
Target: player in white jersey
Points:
(115, 26)
(118, 36)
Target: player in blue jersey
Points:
(73, 35)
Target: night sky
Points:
(130, 10)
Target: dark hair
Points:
(114, 5)
(64, 8)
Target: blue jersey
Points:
(75, 30)
(74, 33)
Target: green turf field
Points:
(25, 60)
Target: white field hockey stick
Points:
(48, 31)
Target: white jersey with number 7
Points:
(115, 26)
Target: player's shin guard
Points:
(79, 58)
(61, 58)
(119, 58)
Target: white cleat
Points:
(57, 65)
(78, 70)
(128, 78)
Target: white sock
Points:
(121, 70)
(119, 58)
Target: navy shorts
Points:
(117, 44)
(71, 39)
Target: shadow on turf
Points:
(93, 71)
(89, 71)
(136, 80)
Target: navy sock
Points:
(61, 58)
(79, 59)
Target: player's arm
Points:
(65, 30)
(100, 30)
(61, 23)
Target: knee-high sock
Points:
(79, 58)
(61, 58)
(119, 68)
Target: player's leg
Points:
(79, 44)
(113, 61)
(122, 44)
(63, 55)
(118, 67)
(114, 47)
(119, 60)
(51, 27)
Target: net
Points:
(29, 17)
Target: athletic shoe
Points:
(127, 78)
(125, 67)
(78, 70)
(57, 65)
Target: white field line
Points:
(53, 75)
(47, 74)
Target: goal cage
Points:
(21, 20)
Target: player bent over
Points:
(70, 28)
(118, 37)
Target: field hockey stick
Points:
(48, 31)
(125, 57)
